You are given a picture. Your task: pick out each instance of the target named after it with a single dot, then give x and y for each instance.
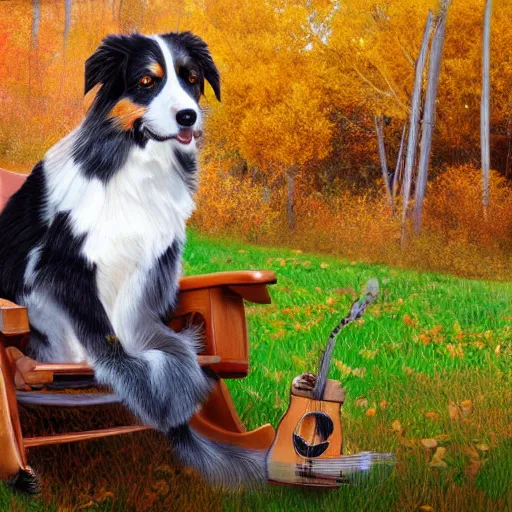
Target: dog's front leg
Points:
(164, 383)
(156, 373)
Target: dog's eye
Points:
(193, 76)
(146, 81)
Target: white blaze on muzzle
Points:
(160, 117)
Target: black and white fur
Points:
(92, 242)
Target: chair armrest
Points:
(13, 319)
(251, 285)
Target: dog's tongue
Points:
(185, 135)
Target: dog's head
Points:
(150, 85)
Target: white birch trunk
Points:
(36, 20)
(399, 165)
(484, 106)
(414, 123)
(429, 115)
(67, 21)
(383, 160)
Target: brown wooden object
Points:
(309, 431)
(215, 301)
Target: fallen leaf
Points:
(396, 426)
(466, 407)
(361, 402)
(409, 321)
(432, 416)
(297, 361)
(482, 447)
(424, 338)
(455, 350)
(368, 354)
(497, 350)
(429, 443)
(342, 367)
(330, 301)
(407, 370)
(371, 412)
(454, 411)
(359, 372)
(407, 443)
(458, 331)
(436, 330)
(383, 404)
(324, 265)
(426, 508)
(437, 459)
(318, 289)
(241, 251)
(296, 251)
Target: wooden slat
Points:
(30, 442)
(13, 319)
(244, 277)
(46, 399)
(84, 368)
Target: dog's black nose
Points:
(186, 117)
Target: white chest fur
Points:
(129, 222)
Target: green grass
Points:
(431, 340)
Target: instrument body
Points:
(287, 462)
(307, 450)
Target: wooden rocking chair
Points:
(216, 300)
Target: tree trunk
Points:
(67, 21)
(36, 20)
(34, 40)
(484, 106)
(429, 115)
(414, 122)
(383, 160)
(399, 166)
(290, 181)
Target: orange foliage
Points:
(457, 237)
(301, 84)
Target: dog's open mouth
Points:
(184, 136)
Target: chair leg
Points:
(218, 421)
(13, 463)
(220, 409)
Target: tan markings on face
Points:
(91, 96)
(156, 69)
(125, 113)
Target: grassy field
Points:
(430, 364)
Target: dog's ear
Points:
(199, 51)
(105, 68)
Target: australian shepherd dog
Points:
(92, 242)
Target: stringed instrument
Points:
(307, 449)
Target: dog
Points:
(92, 242)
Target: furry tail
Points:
(221, 464)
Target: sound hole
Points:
(310, 437)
